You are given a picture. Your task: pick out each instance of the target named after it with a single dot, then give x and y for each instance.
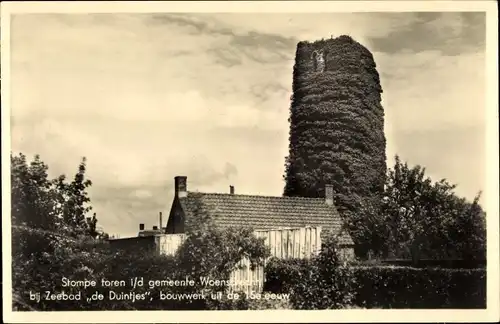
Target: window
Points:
(318, 61)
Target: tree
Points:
(370, 229)
(31, 193)
(91, 225)
(466, 232)
(50, 204)
(44, 247)
(77, 202)
(423, 218)
(336, 127)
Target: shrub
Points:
(322, 282)
(214, 253)
(282, 274)
(382, 286)
(43, 270)
(406, 287)
(262, 304)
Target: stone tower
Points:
(336, 123)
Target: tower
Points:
(336, 123)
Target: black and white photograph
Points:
(218, 157)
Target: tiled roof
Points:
(265, 212)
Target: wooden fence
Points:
(169, 243)
(245, 279)
(284, 243)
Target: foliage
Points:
(282, 274)
(263, 304)
(424, 263)
(378, 286)
(324, 282)
(50, 204)
(216, 252)
(406, 287)
(422, 219)
(76, 201)
(336, 126)
(33, 195)
(59, 255)
(50, 231)
(417, 218)
(368, 226)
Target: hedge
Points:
(391, 287)
(406, 287)
(282, 275)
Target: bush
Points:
(262, 304)
(42, 270)
(282, 274)
(322, 282)
(405, 287)
(380, 286)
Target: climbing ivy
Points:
(336, 125)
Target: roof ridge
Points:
(247, 195)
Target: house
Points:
(144, 232)
(258, 212)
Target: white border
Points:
(362, 316)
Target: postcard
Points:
(250, 161)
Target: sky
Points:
(146, 97)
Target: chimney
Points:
(141, 227)
(180, 186)
(155, 228)
(161, 221)
(329, 194)
(231, 190)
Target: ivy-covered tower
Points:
(336, 123)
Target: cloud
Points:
(452, 33)
(196, 23)
(232, 42)
(230, 170)
(418, 87)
